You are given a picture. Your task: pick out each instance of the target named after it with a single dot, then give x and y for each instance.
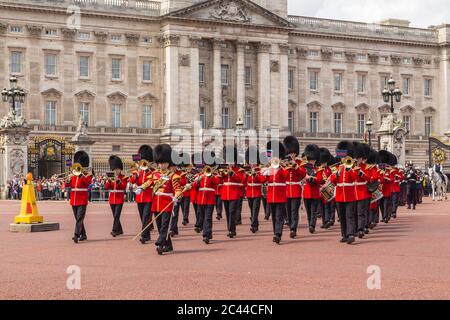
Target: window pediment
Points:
(407, 109)
(338, 107)
(148, 97)
(363, 107)
(429, 111)
(117, 96)
(85, 94)
(52, 93)
(314, 106)
(384, 109)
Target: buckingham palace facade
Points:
(137, 69)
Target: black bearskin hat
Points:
(115, 163)
(163, 153)
(325, 156)
(392, 159)
(82, 158)
(312, 152)
(252, 155)
(292, 145)
(345, 149)
(275, 149)
(373, 157)
(146, 152)
(384, 156)
(362, 150)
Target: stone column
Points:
(14, 133)
(284, 88)
(217, 85)
(264, 85)
(195, 85)
(100, 111)
(170, 44)
(240, 83)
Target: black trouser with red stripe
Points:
(79, 213)
(346, 212)
(146, 217)
(219, 206)
(292, 209)
(163, 222)
(255, 205)
(312, 206)
(278, 210)
(205, 213)
(117, 211)
(386, 207)
(362, 209)
(231, 208)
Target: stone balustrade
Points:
(340, 27)
(144, 7)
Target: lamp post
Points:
(13, 94)
(369, 125)
(390, 93)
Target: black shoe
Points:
(114, 234)
(160, 250)
(366, 231)
(266, 218)
(383, 220)
(168, 249)
(372, 225)
(185, 223)
(414, 208)
(277, 239)
(152, 227)
(172, 233)
(386, 221)
(312, 230)
(218, 217)
(83, 238)
(254, 230)
(394, 216)
(329, 224)
(350, 240)
(206, 240)
(344, 240)
(143, 241)
(75, 239)
(409, 208)
(233, 235)
(197, 230)
(319, 216)
(361, 234)
(293, 234)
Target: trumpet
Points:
(348, 162)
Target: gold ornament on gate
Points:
(439, 156)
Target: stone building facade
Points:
(137, 70)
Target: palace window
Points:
(50, 113)
(362, 79)
(201, 73)
(202, 118)
(225, 69)
(406, 86)
(313, 53)
(115, 113)
(291, 120)
(291, 79)
(147, 117)
(338, 82)
(116, 37)
(51, 32)
(84, 112)
(84, 35)
(313, 80)
(338, 122)
(407, 123)
(84, 67)
(16, 62)
(339, 55)
(383, 82)
(313, 122)
(147, 71)
(248, 76)
(361, 57)
(50, 64)
(428, 87)
(16, 29)
(428, 126)
(116, 69)
(18, 108)
(248, 118)
(361, 125)
(225, 118)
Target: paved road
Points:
(413, 254)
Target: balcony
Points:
(136, 7)
(359, 29)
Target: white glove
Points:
(188, 186)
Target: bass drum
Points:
(377, 196)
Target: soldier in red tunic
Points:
(79, 182)
(313, 182)
(183, 169)
(293, 184)
(143, 192)
(253, 186)
(166, 190)
(398, 178)
(374, 212)
(386, 201)
(344, 180)
(233, 180)
(276, 177)
(116, 186)
(327, 207)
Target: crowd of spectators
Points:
(56, 188)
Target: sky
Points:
(421, 13)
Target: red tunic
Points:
(164, 194)
(276, 185)
(139, 180)
(206, 194)
(388, 181)
(183, 182)
(232, 185)
(293, 187)
(345, 184)
(79, 195)
(326, 173)
(117, 189)
(254, 186)
(361, 192)
(311, 190)
(398, 178)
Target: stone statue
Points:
(11, 120)
(81, 127)
(231, 11)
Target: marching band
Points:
(358, 183)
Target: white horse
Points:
(438, 185)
